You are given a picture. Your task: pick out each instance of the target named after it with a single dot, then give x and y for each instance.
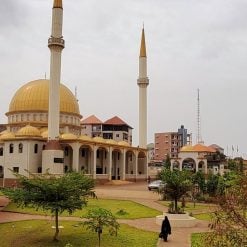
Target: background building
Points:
(169, 143)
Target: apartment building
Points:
(169, 143)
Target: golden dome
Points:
(187, 148)
(68, 136)
(44, 134)
(8, 135)
(34, 96)
(28, 131)
(85, 138)
(123, 143)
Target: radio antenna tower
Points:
(198, 136)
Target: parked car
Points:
(155, 185)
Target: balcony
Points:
(52, 41)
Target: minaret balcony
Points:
(52, 41)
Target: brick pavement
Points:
(137, 192)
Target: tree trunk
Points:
(56, 223)
(176, 204)
(99, 237)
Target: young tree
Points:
(98, 218)
(229, 224)
(177, 183)
(54, 193)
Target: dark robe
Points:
(165, 228)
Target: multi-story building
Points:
(169, 143)
(114, 128)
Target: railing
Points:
(56, 41)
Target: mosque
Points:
(45, 130)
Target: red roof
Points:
(91, 120)
(116, 121)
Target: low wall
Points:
(177, 220)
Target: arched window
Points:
(20, 148)
(1, 151)
(36, 148)
(11, 148)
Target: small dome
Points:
(123, 143)
(44, 134)
(85, 138)
(28, 131)
(4, 132)
(99, 139)
(110, 141)
(7, 135)
(44, 129)
(68, 136)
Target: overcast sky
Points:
(190, 44)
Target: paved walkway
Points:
(137, 192)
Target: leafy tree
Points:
(199, 178)
(98, 218)
(177, 183)
(229, 224)
(212, 184)
(167, 162)
(54, 193)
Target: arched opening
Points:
(116, 164)
(175, 165)
(68, 157)
(142, 164)
(130, 163)
(101, 161)
(189, 164)
(85, 156)
(201, 166)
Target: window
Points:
(36, 148)
(20, 148)
(11, 148)
(39, 169)
(16, 169)
(43, 147)
(117, 135)
(1, 151)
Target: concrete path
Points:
(136, 192)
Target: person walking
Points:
(165, 229)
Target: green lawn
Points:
(196, 240)
(129, 209)
(39, 234)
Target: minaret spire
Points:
(52, 156)
(143, 44)
(143, 82)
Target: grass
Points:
(196, 240)
(38, 233)
(131, 209)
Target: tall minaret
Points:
(143, 82)
(52, 157)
